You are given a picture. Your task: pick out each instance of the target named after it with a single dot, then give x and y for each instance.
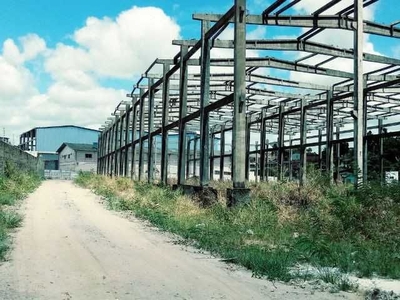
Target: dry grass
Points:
(319, 224)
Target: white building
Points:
(77, 157)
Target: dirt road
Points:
(72, 247)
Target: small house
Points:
(77, 157)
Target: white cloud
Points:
(16, 81)
(104, 48)
(32, 45)
(120, 48)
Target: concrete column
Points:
(204, 101)
(281, 141)
(109, 138)
(141, 134)
(303, 142)
(212, 145)
(31, 141)
(290, 164)
(329, 134)
(164, 132)
(188, 158)
(116, 146)
(381, 149)
(121, 135)
(99, 153)
(150, 147)
(222, 153)
(182, 114)
(248, 135)
(239, 120)
(337, 153)
(262, 145)
(266, 160)
(320, 149)
(195, 156)
(133, 145)
(126, 143)
(256, 170)
(359, 113)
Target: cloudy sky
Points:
(71, 62)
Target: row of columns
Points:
(114, 151)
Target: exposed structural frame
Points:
(243, 100)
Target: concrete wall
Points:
(21, 159)
(71, 160)
(67, 159)
(87, 164)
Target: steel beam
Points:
(310, 21)
(296, 45)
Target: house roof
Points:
(61, 126)
(79, 147)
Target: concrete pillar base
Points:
(238, 196)
(205, 196)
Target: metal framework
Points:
(232, 100)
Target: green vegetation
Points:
(14, 186)
(333, 228)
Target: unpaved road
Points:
(72, 247)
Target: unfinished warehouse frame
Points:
(231, 100)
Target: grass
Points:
(14, 186)
(322, 225)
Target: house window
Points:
(88, 155)
(69, 155)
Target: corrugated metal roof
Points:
(79, 147)
(60, 126)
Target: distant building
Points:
(44, 141)
(77, 157)
(4, 139)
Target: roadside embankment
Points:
(337, 232)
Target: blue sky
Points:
(55, 20)
(66, 67)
